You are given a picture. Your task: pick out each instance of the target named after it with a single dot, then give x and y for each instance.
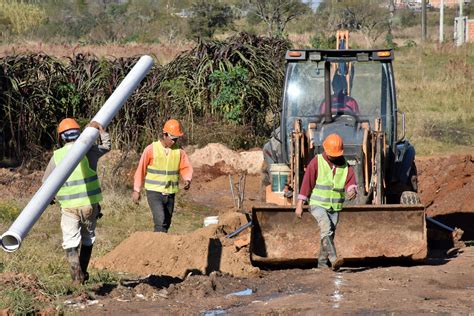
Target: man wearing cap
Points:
(327, 182)
(160, 166)
(79, 197)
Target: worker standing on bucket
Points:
(328, 181)
(160, 166)
(79, 197)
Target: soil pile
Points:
(446, 183)
(19, 183)
(199, 252)
(250, 161)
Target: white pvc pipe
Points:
(11, 240)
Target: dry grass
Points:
(435, 89)
(164, 52)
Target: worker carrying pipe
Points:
(79, 197)
(11, 240)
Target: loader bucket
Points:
(364, 232)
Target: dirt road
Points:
(442, 285)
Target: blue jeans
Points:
(327, 220)
(162, 206)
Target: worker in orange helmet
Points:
(160, 166)
(79, 197)
(327, 182)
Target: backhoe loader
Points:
(386, 220)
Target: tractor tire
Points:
(410, 198)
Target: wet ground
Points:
(443, 285)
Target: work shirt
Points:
(311, 174)
(93, 155)
(341, 102)
(185, 168)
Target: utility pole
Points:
(441, 22)
(423, 20)
(392, 11)
(461, 3)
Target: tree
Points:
(369, 17)
(207, 16)
(276, 13)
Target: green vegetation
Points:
(435, 90)
(38, 91)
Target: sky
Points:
(313, 3)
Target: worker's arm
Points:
(105, 145)
(140, 173)
(309, 180)
(185, 169)
(49, 168)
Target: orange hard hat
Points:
(67, 124)
(333, 145)
(173, 128)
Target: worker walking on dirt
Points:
(327, 182)
(160, 166)
(79, 197)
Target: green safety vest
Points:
(163, 174)
(329, 190)
(82, 188)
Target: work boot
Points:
(74, 266)
(336, 262)
(84, 259)
(323, 255)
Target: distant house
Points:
(447, 3)
(470, 31)
(416, 4)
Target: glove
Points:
(136, 197)
(187, 184)
(351, 194)
(99, 214)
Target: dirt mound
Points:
(250, 161)
(199, 252)
(446, 183)
(19, 183)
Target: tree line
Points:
(154, 21)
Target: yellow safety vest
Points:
(82, 188)
(163, 174)
(328, 191)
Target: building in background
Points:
(447, 3)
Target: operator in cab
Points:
(341, 102)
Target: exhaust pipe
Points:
(11, 240)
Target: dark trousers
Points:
(161, 206)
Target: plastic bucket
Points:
(211, 220)
(279, 173)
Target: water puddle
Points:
(214, 312)
(337, 296)
(241, 293)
